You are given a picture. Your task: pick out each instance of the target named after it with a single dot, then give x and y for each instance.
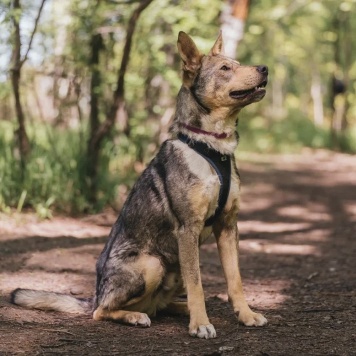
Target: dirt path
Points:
(298, 261)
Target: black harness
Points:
(222, 165)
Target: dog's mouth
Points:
(240, 94)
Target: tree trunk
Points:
(93, 148)
(233, 23)
(16, 64)
(117, 112)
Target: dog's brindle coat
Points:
(153, 248)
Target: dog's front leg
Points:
(188, 244)
(228, 240)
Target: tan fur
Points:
(153, 273)
(124, 316)
(189, 261)
(150, 302)
(227, 239)
(218, 47)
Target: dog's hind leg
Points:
(227, 241)
(117, 302)
(123, 316)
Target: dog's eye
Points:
(225, 68)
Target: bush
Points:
(288, 135)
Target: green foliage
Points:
(287, 135)
(55, 177)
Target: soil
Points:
(298, 262)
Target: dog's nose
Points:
(262, 69)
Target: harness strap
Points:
(221, 164)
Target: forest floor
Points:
(298, 263)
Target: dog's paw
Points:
(203, 331)
(252, 319)
(140, 319)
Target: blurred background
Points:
(88, 88)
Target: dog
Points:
(189, 191)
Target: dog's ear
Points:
(189, 54)
(218, 47)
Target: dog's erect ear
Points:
(189, 53)
(218, 47)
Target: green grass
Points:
(54, 176)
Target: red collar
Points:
(199, 131)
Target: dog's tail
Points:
(37, 299)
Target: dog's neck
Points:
(203, 132)
(216, 128)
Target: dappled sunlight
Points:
(311, 212)
(250, 205)
(350, 209)
(80, 260)
(41, 280)
(260, 294)
(315, 235)
(251, 226)
(13, 228)
(278, 248)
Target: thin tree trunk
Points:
(16, 66)
(23, 142)
(94, 120)
(117, 112)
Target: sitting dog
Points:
(188, 191)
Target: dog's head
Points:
(218, 81)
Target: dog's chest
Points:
(209, 186)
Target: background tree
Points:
(17, 62)
(233, 19)
(117, 112)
